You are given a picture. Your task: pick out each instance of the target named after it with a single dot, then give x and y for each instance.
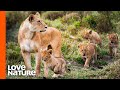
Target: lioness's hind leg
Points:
(56, 49)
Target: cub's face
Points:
(46, 54)
(87, 50)
(113, 38)
(82, 49)
(36, 23)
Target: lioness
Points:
(87, 52)
(92, 36)
(57, 65)
(113, 44)
(33, 36)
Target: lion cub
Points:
(88, 51)
(113, 44)
(92, 36)
(57, 65)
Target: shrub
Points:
(52, 15)
(13, 53)
(77, 24)
(70, 18)
(89, 21)
(58, 24)
(72, 29)
(104, 23)
(14, 19)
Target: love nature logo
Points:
(16, 70)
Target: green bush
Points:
(72, 29)
(52, 15)
(77, 24)
(14, 19)
(57, 24)
(13, 53)
(89, 21)
(104, 24)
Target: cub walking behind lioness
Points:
(57, 65)
(92, 36)
(87, 52)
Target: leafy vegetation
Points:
(70, 23)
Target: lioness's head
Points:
(113, 37)
(36, 24)
(46, 54)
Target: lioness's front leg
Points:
(38, 62)
(27, 59)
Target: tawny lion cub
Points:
(57, 65)
(113, 44)
(92, 36)
(88, 51)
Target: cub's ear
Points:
(90, 32)
(31, 17)
(37, 14)
(50, 51)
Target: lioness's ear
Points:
(37, 14)
(50, 51)
(31, 18)
(90, 32)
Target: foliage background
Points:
(71, 24)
